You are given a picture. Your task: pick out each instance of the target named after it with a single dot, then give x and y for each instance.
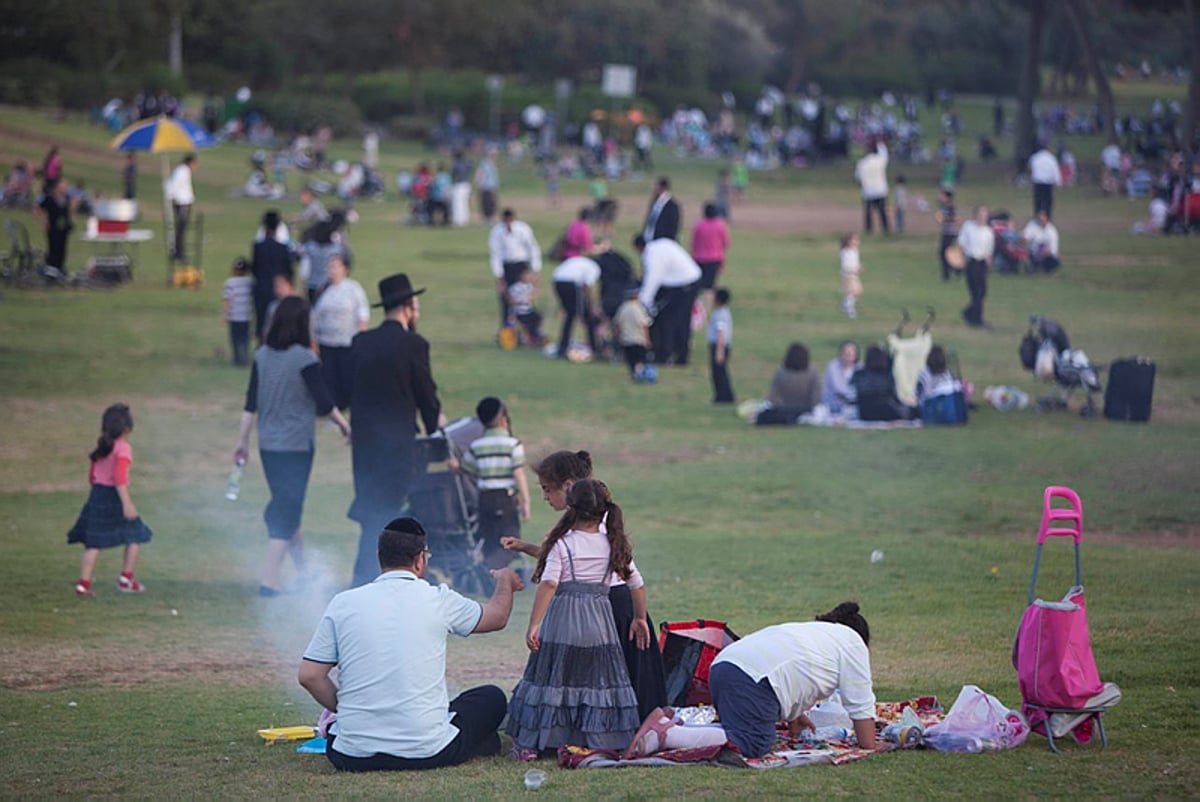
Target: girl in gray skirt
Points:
(575, 689)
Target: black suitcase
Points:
(1130, 390)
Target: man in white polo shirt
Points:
(1045, 174)
(388, 642)
(670, 280)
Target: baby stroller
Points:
(1012, 252)
(1047, 352)
(1060, 686)
(446, 503)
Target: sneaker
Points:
(127, 584)
(522, 754)
(82, 589)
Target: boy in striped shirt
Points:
(496, 461)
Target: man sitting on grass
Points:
(388, 641)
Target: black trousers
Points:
(671, 332)
(512, 274)
(1043, 199)
(880, 206)
(722, 389)
(477, 714)
(946, 241)
(183, 213)
(239, 341)
(56, 251)
(634, 355)
(977, 287)
(337, 369)
(573, 298)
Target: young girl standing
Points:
(108, 517)
(851, 275)
(557, 474)
(575, 689)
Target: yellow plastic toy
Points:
(283, 735)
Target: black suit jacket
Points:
(393, 382)
(270, 259)
(667, 224)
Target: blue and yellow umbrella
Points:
(163, 135)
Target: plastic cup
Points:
(534, 779)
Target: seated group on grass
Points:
(594, 675)
(864, 391)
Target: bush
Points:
(295, 111)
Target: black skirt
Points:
(287, 476)
(645, 665)
(102, 524)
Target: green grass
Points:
(731, 522)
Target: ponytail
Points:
(113, 424)
(564, 466)
(847, 614)
(565, 524)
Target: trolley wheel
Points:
(475, 581)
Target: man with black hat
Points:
(392, 382)
(388, 641)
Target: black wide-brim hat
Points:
(395, 290)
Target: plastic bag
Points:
(830, 713)
(978, 722)
(1046, 357)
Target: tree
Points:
(1080, 18)
(1029, 83)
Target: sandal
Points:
(658, 722)
(522, 754)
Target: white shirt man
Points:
(182, 197)
(512, 249)
(1045, 174)
(578, 270)
(388, 641)
(665, 264)
(1042, 236)
(670, 279)
(572, 282)
(978, 242)
(871, 173)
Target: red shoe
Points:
(127, 584)
(84, 588)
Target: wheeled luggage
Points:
(1130, 390)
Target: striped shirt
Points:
(493, 458)
(238, 291)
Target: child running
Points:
(575, 689)
(851, 275)
(108, 517)
(557, 474)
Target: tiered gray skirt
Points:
(575, 690)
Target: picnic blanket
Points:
(748, 411)
(787, 752)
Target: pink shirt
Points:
(710, 240)
(578, 240)
(112, 470)
(591, 552)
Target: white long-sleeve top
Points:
(665, 263)
(179, 186)
(977, 241)
(1041, 239)
(513, 242)
(1044, 169)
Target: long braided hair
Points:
(589, 501)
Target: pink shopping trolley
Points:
(1060, 686)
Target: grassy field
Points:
(160, 694)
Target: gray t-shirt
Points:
(287, 411)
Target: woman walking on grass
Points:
(286, 394)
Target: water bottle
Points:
(233, 487)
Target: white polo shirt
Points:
(388, 640)
(805, 663)
(578, 270)
(665, 263)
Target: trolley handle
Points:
(1072, 515)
